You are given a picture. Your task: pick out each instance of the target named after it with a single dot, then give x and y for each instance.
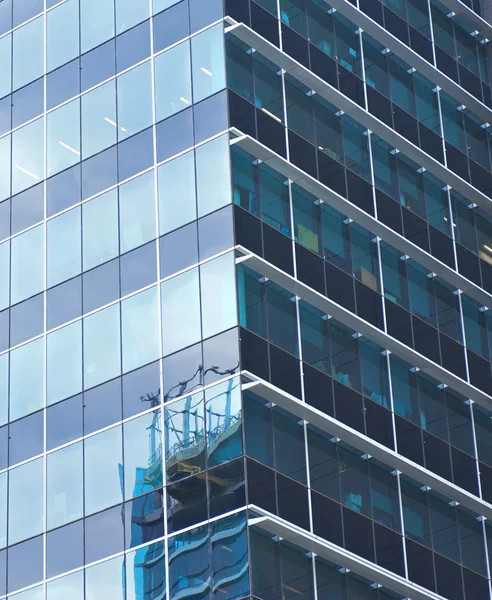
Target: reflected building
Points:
(245, 293)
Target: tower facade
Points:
(245, 280)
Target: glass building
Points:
(245, 280)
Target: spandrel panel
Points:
(64, 486)
(25, 501)
(102, 470)
(64, 363)
(102, 346)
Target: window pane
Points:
(96, 22)
(64, 370)
(27, 264)
(62, 33)
(99, 119)
(5, 164)
(140, 329)
(28, 54)
(134, 100)
(137, 212)
(64, 492)
(180, 311)
(63, 143)
(26, 501)
(207, 51)
(129, 13)
(177, 197)
(71, 586)
(5, 65)
(100, 229)
(26, 379)
(27, 156)
(172, 81)
(143, 450)
(218, 295)
(102, 346)
(4, 388)
(102, 454)
(3, 509)
(105, 580)
(213, 176)
(64, 247)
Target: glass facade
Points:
(245, 280)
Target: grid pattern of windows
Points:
(245, 280)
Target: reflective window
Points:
(27, 156)
(143, 454)
(63, 143)
(99, 118)
(218, 295)
(64, 362)
(100, 229)
(213, 175)
(105, 580)
(134, 100)
(25, 501)
(137, 211)
(96, 22)
(64, 247)
(180, 311)
(62, 33)
(28, 52)
(102, 457)
(64, 485)
(140, 330)
(102, 346)
(177, 196)
(207, 51)
(173, 81)
(26, 379)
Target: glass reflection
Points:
(146, 573)
(189, 565)
(143, 454)
(223, 420)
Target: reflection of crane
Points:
(183, 385)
